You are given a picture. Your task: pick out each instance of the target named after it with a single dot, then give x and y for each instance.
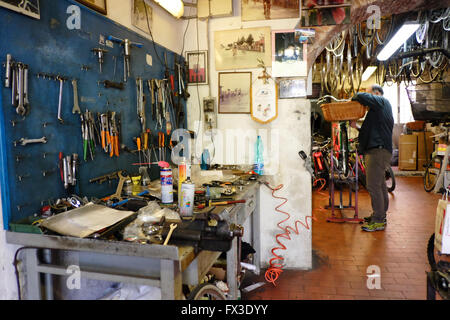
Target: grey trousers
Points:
(377, 160)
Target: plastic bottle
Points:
(206, 161)
(259, 161)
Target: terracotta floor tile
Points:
(344, 252)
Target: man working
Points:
(375, 143)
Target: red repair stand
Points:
(349, 181)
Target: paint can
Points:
(187, 198)
(166, 186)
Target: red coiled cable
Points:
(275, 269)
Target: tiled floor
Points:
(342, 252)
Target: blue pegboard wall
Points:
(48, 46)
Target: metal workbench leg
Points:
(232, 261)
(171, 280)
(32, 276)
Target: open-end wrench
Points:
(14, 76)
(76, 106)
(118, 194)
(173, 226)
(20, 85)
(25, 141)
(26, 101)
(8, 71)
(61, 82)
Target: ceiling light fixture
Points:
(368, 72)
(174, 7)
(402, 35)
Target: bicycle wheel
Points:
(207, 291)
(430, 253)
(431, 174)
(390, 180)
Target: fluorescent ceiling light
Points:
(368, 73)
(397, 40)
(174, 7)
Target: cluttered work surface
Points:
(180, 249)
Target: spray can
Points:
(187, 198)
(166, 186)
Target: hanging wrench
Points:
(25, 141)
(8, 71)
(26, 101)
(20, 107)
(61, 82)
(76, 106)
(14, 76)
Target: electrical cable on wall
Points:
(276, 265)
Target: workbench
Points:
(166, 267)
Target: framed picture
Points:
(214, 8)
(268, 9)
(29, 8)
(97, 5)
(241, 48)
(290, 88)
(325, 12)
(198, 67)
(264, 101)
(141, 15)
(235, 92)
(289, 54)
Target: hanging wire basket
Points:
(430, 101)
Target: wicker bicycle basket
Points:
(343, 111)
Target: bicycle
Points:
(434, 169)
(389, 173)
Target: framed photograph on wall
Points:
(198, 67)
(267, 9)
(141, 15)
(29, 8)
(290, 88)
(325, 12)
(241, 48)
(97, 5)
(235, 92)
(289, 54)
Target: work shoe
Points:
(374, 226)
(368, 219)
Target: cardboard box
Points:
(425, 148)
(407, 149)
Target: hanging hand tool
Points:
(151, 89)
(141, 103)
(114, 85)
(162, 146)
(26, 101)
(15, 81)
(20, 85)
(106, 141)
(61, 83)
(8, 73)
(25, 141)
(76, 106)
(74, 168)
(100, 54)
(127, 45)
